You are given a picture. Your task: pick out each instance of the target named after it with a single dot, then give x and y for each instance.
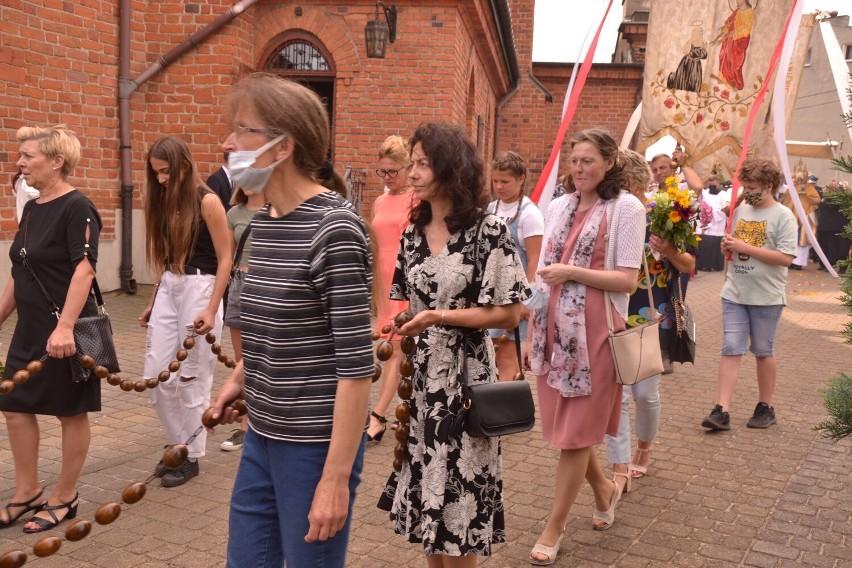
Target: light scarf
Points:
(568, 368)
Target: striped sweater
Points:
(305, 316)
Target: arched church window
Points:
(298, 56)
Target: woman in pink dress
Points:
(593, 242)
(390, 218)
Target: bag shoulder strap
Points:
(51, 305)
(608, 301)
(238, 253)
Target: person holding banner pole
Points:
(761, 247)
(664, 167)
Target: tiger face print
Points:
(752, 232)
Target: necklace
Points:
(47, 197)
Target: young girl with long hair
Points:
(188, 244)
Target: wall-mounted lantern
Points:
(378, 33)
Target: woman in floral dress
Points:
(448, 494)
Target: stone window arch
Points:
(298, 53)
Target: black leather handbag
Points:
(498, 409)
(494, 409)
(92, 334)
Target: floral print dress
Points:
(448, 496)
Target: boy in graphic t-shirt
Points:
(762, 245)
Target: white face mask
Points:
(244, 175)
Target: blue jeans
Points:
(741, 323)
(272, 496)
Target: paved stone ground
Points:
(773, 498)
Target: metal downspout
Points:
(503, 20)
(126, 87)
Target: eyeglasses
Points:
(389, 173)
(253, 130)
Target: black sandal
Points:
(44, 524)
(384, 422)
(28, 506)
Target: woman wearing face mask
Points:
(526, 225)
(187, 242)
(305, 325)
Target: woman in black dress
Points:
(448, 495)
(59, 231)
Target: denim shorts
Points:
(741, 323)
(510, 334)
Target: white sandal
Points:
(637, 471)
(607, 518)
(549, 552)
(628, 483)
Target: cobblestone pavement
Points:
(776, 497)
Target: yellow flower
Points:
(674, 216)
(697, 239)
(672, 182)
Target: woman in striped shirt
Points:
(307, 358)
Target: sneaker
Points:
(161, 469)
(718, 419)
(234, 441)
(182, 474)
(764, 416)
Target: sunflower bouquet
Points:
(674, 214)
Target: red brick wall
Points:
(528, 123)
(58, 63)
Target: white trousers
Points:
(182, 399)
(646, 396)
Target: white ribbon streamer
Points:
(632, 124)
(778, 116)
(839, 69)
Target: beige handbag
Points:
(636, 350)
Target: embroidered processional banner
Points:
(705, 62)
